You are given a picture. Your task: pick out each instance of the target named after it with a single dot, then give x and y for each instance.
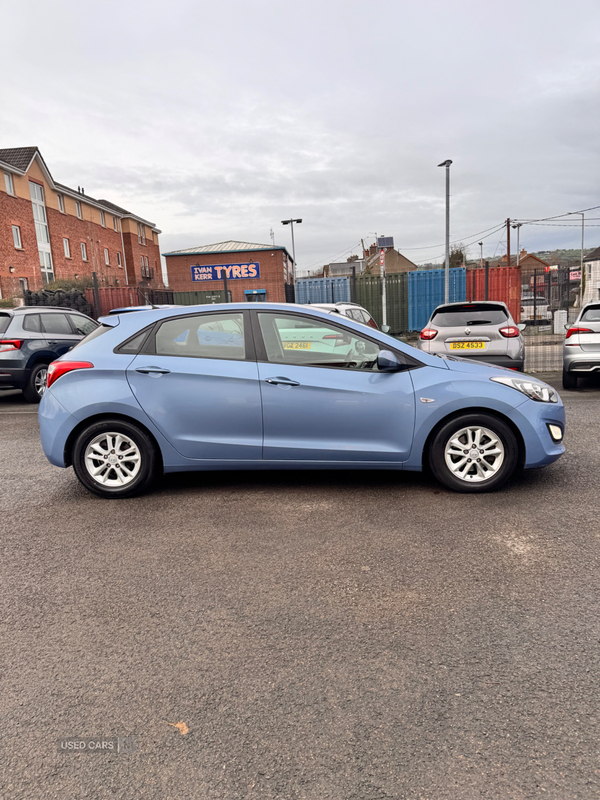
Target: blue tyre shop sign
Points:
(216, 272)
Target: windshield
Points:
(471, 314)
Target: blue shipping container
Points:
(322, 290)
(426, 289)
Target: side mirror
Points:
(521, 326)
(388, 361)
(385, 329)
(567, 327)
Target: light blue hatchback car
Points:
(276, 386)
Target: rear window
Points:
(591, 314)
(4, 322)
(472, 314)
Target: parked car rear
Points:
(581, 348)
(483, 331)
(32, 337)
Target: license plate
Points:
(467, 345)
(296, 345)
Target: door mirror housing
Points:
(521, 326)
(385, 329)
(388, 361)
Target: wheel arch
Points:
(70, 443)
(473, 410)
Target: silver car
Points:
(482, 331)
(581, 348)
(352, 311)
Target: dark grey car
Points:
(484, 331)
(30, 338)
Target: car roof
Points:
(37, 309)
(466, 303)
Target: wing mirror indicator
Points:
(385, 329)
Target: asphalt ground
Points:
(356, 636)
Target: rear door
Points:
(197, 380)
(60, 336)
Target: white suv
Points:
(353, 311)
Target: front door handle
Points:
(151, 370)
(282, 381)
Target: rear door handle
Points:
(150, 370)
(282, 381)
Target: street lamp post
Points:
(291, 223)
(481, 254)
(447, 281)
(518, 226)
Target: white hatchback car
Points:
(352, 311)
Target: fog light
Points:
(556, 433)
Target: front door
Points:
(324, 398)
(198, 383)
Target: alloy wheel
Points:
(112, 459)
(40, 381)
(474, 454)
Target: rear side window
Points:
(31, 322)
(4, 322)
(56, 323)
(591, 314)
(202, 336)
(472, 314)
(133, 345)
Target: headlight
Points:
(533, 390)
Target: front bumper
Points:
(532, 418)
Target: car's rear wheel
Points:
(474, 453)
(569, 381)
(36, 385)
(114, 458)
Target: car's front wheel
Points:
(474, 453)
(114, 458)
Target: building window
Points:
(46, 266)
(115, 224)
(141, 229)
(23, 284)
(118, 259)
(67, 247)
(102, 219)
(106, 257)
(8, 182)
(61, 203)
(17, 237)
(78, 207)
(83, 251)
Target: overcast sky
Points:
(218, 120)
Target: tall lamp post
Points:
(517, 226)
(481, 254)
(291, 223)
(447, 281)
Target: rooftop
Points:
(225, 247)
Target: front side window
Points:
(17, 237)
(8, 182)
(203, 336)
(82, 325)
(292, 339)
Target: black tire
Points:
(508, 463)
(148, 459)
(569, 381)
(33, 391)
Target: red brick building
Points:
(254, 272)
(49, 231)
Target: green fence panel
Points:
(200, 298)
(366, 291)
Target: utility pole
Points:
(447, 281)
(508, 242)
(481, 255)
(517, 226)
(291, 223)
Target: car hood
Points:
(468, 365)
